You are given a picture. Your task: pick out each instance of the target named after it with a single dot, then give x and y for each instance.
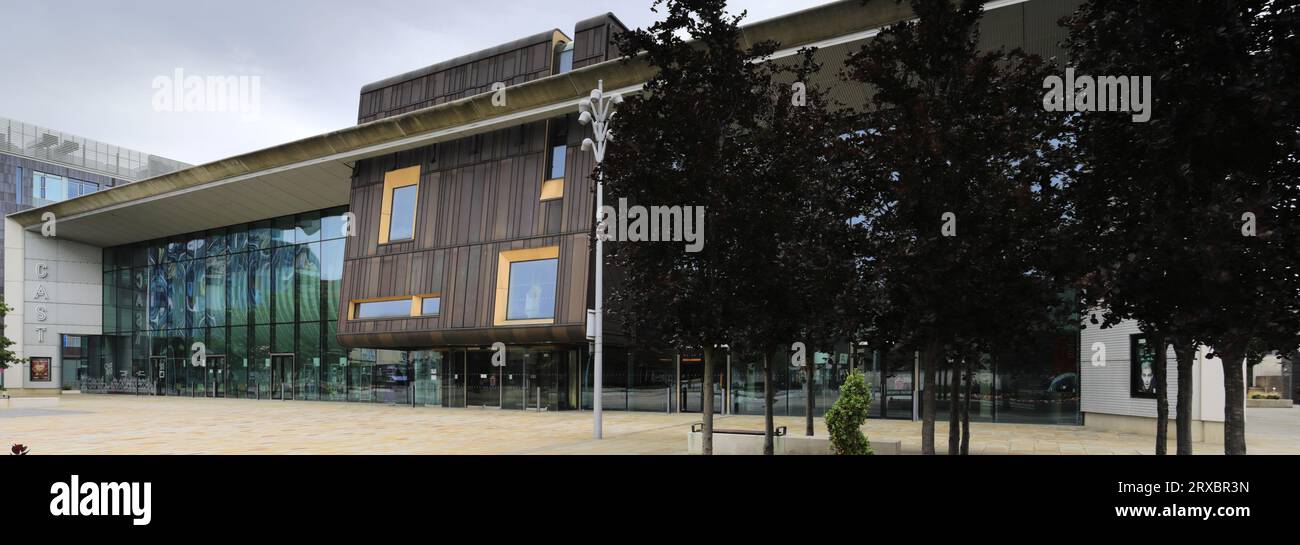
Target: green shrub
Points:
(845, 417)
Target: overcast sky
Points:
(89, 67)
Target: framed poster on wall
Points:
(1142, 368)
(38, 369)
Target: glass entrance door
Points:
(281, 376)
(160, 375)
(483, 381)
(454, 382)
(692, 385)
(216, 370)
(898, 384)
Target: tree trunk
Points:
(1159, 348)
(808, 393)
(954, 408)
(1185, 354)
(1234, 401)
(707, 434)
(768, 447)
(965, 407)
(931, 355)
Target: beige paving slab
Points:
(96, 424)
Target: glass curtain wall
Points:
(534, 378)
(245, 292)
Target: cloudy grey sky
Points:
(88, 67)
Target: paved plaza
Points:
(96, 424)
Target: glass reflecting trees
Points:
(247, 292)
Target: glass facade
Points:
(263, 300)
(534, 377)
(40, 143)
(260, 300)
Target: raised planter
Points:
(1269, 403)
(726, 443)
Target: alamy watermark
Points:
(177, 92)
(654, 224)
(1099, 94)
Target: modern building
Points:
(380, 262)
(39, 166)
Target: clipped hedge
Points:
(845, 417)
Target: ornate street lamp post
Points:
(598, 111)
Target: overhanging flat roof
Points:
(315, 172)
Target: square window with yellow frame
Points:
(526, 286)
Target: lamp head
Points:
(585, 117)
(587, 144)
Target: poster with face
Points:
(38, 369)
(1142, 383)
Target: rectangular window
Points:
(563, 57)
(398, 207)
(557, 142)
(19, 186)
(77, 188)
(48, 188)
(526, 286)
(402, 226)
(430, 305)
(557, 152)
(389, 308)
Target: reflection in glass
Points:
(429, 306)
(384, 309)
(308, 267)
(401, 224)
(532, 290)
(161, 296)
(260, 263)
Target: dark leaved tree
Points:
(722, 126)
(959, 190)
(1187, 221)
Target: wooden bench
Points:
(779, 431)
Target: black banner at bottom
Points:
(332, 496)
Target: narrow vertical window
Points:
(399, 205)
(557, 150)
(563, 61)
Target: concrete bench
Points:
(751, 443)
(778, 431)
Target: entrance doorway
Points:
(158, 367)
(897, 384)
(483, 381)
(281, 376)
(691, 388)
(216, 376)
